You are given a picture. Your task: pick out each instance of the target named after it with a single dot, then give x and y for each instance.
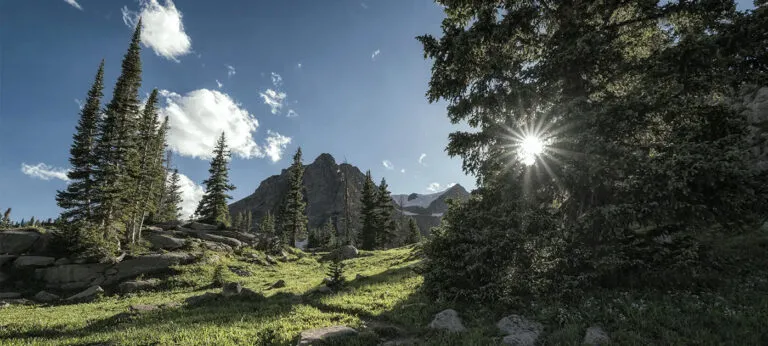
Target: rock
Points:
(152, 229)
(43, 244)
(197, 226)
(7, 259)
(251, 294)
(32, 262)
(321, 336)
(519, 330)
(271, 260)
(195, 300)
(72, 276)
(212, 237)
(4, 277)
(169, 225)
(19, 301)
(170, 305)
(4, 304)
(148, 264)
(360, 277)
(324, 289)
(80, 261)
(10, 295)
(62, 261)
(278, 284)
(231, 289)
(241, 236)
(45, 297)
(89, 294)
(403, 342)
(214, 246)
(143, 308)
(17, 242)
(447, 320)
(348, 251)
(164, 241)
(327, 280)
(239, 271)
(111, 271)
(136, 285)
(596, 336)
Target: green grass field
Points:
(385, 305)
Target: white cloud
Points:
(375, 54)
(421, 159)
(436, 187)
(402, 170)
(80, 104)
(198, 118)
(273, 99)
(364, 5)
(298, 65)
(275, 146)
(44, 172)
(230, 71)
(74, 4)
(277, 80)
(219, 84)
(291, 113)
(162, 28)
(388, 164)
(191, 194)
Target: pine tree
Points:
(386, 228)
(293, 219)
(171, 207)
(238, 222)
(347, 237)
(116, 142)
(369, 211)
(32, 221)
(272, 242)
(6, 221)
(414, 235)
(336, 273)
(213, 207)
(248, 221)
(78, 199)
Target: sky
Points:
(343, 77)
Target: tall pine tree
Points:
(6, 221)
(78, 199)
(369, 201)
(171, 207)
(387, 228)
(117, 140)
(414, 235)
(293, 218)
(213, 207)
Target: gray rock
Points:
(197, 226)
(214, 246)
(348, 251)
(212, 237)
(33, 262)
(10, 295)
(271, 260)
(231, 289)
(241, 236)
(596, 336)
(62, 261)
(519, 330)
(321, 336)
(4, 304)
(142, 308)
(170, 305)
(43, 244)
(147, 265)
(71, 276)
(136, 285)
(152, 229)
(46, 297)
(4, 277)
(111, 271)
(324, 289)
(240, 271)
(17, 242)
(170, 225)
(164, 241)
(447, 320)
(278, 284)
(195, 300)
(7, 259)
(89, 294)
(19, 301)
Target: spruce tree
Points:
(293, 219)
(414, 235)
(117, 140)
(248, 221)
(328, 238)
(272, 242)
(6, 221)
(238, 222)
(213, 207)
(370, 216)
(171, 207)
(78, 199)
(386, 228)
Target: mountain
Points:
(324, 194)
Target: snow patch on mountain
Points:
(421, 201)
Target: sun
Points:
(530, 147)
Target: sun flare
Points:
(530, 147)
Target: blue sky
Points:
(352, 80)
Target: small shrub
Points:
(336, 274)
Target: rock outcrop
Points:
(321, 336)
(519, 331)
(17, 242)
(447, 320)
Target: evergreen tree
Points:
(386, 228)
(116, 142)
(239, 221)
(370, 216)
(328, 238)
(414, 235)
(78, 199)
(6, 221)
(336, 273)
(293, 218)
(32, 221)
(248, 221)
(213, 207)
(171, 206)
(272, 242)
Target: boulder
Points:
(596, 336)
(214, 246)
(348, 251)
(10, 295)
(32, 262)
(241, 236)
(43, 244)
(322, 336)
(143, 308)
(212, 237)
(136, 285)
(519, 330)
(271, 260)
(89, 294)
(239, 271)
(4, 277)
(147, 265)
(231, 289)
(197, 226)
(152, 229)
(195, 300)
(19, 301)
(62, 261)
(72, 276)
(169, 225)
(46, 297)
(278, 284)
(447, 320)
(164, 241)
(7, 259)
(17, 242)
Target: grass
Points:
(386, 304)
